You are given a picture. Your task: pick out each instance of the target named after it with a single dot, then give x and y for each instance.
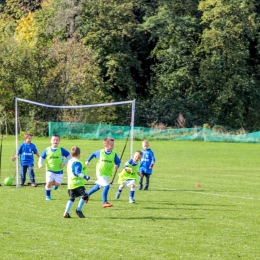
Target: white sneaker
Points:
(131, 200)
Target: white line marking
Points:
(212, 194)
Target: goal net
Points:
(83, 125)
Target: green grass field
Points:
(173, 220)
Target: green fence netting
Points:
(100, 131)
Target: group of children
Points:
(56, 158)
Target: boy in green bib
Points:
(129, 176)
(107, 162)
(76, 180)
(54, 156)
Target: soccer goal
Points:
(91, 122)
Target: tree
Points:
(46, 67)
(231, 90)
(175, 27)
(111, 31)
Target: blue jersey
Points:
(147, 161)
(26, 152)
(77, 168)
(97, 156)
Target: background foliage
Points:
(199, 58)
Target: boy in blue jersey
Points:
(129, 176)
(55, 162)
(107, 161)
(146, 165)
(76, 179)
(26, 151)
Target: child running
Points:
(107, 161)
(54, 156)
(26, 151)
(76, 179)
(146, 165)
(129, 176)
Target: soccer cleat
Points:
(146, 188)
(48, 197)
(66, 215)
(118, 195)
(55, 187)
(80, 214)
(107, 205)
(33, 184)
(140, 188)
(131, 200)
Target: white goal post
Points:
(132, 102)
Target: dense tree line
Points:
(197, 58)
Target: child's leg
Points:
(31, 173)
(147, 177)
(47, 192)
(141, 182)
(57, 180)
(49, 182)
(69, 205)
(80, 204)
(23, 170)
(104, 193)
(132, 191)
(120, 189)
(84, 198)
(94, 189)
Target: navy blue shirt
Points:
(26, 152)
(147, 161)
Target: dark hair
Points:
(75, 151)
(140, 152)
(108, 139)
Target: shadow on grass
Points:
(194, 205)
(154, 218)
(175, 190)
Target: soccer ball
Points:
(8, 181)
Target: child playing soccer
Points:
(146, 165)
(129, 176)
(26, 151)
(54, 155)
(107, 161)
(76, 179)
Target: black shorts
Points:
(78, 192)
